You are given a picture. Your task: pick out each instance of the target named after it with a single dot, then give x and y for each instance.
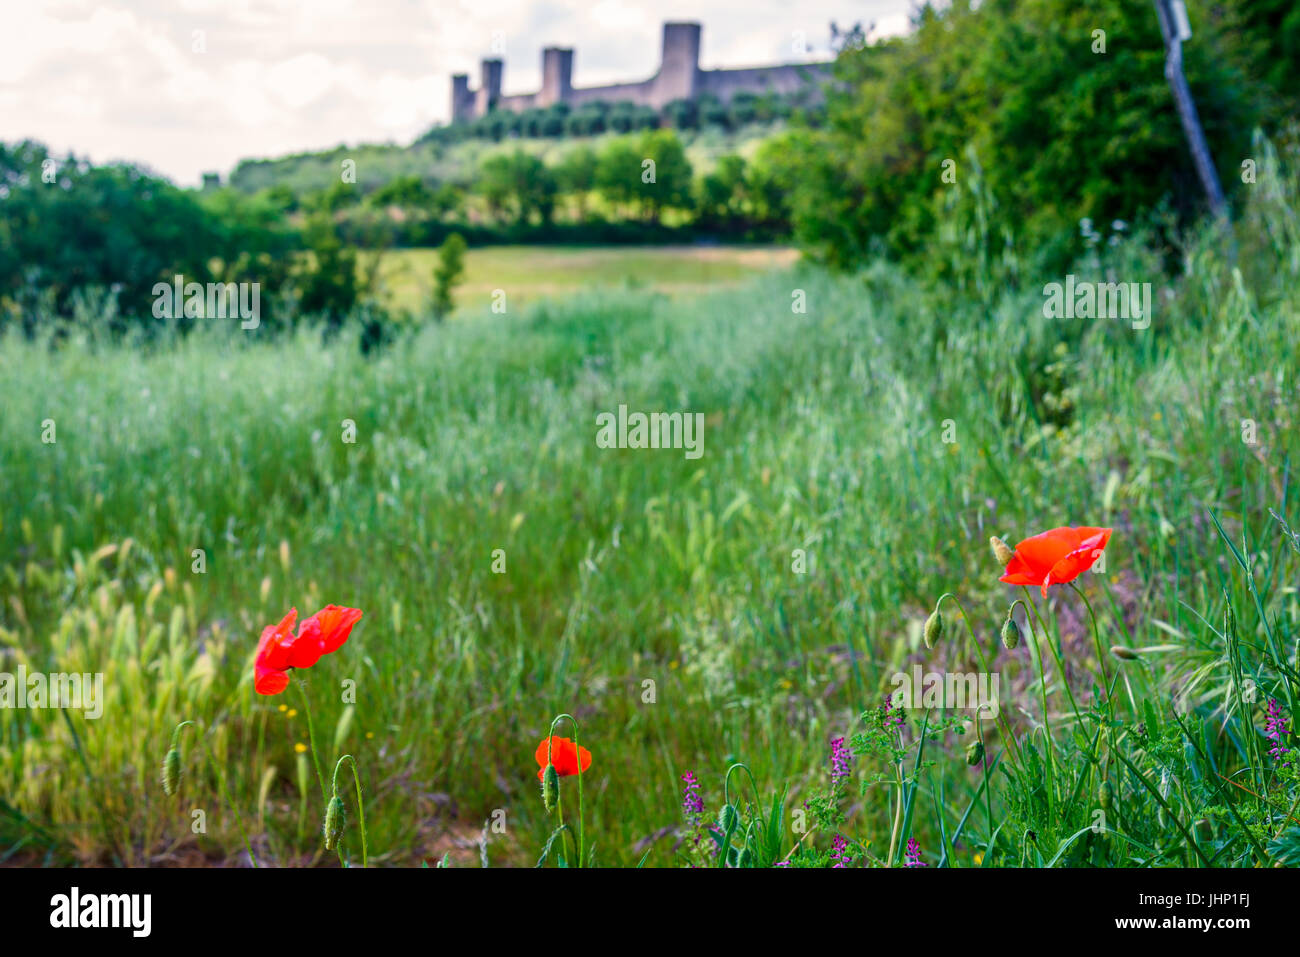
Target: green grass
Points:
(824, 432)
(530, 273)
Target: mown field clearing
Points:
(529, 273)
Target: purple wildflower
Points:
(913, 855)
(840, 852)
(840, 761)
(893, 716)
(1275, 728)
(692, 803)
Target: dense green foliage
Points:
(1039, 119)
(109, 234)
(448, 274)
(69, 229)
(591, 119)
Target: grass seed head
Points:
(171, 772)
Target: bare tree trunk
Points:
(1187, 111)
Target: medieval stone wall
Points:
(679, 78)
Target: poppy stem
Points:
(577, 750)
(988, 791)
(1056, 655)
(1042, 686)
(361, 808)
(984, 663)
(898, 812)
(221, 783)
(1101, 657)
(311, 737)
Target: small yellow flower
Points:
(284, 707)
(300, 748)
(293, 712)
(369, 735)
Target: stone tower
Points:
(489, 87)
(557, 76)
(679, 66)
(679, 77)
(462, 100)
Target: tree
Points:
(517, 185)
(683, 114)
(575, 175)
(327, 280)
(405, 192)
(773, 177)
(722, 194)
(448, 274)
(671, 184)
(1010, 101)
(618, 173)
(67, 226)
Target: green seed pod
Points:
(550, 787)
(1010, 633)
(335, 817)
(1001, 550)
(933, 628)
(1104, 795)
(1124, 654)
(171, 772)
(974, 752)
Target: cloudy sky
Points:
(186, 86)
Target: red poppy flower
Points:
(564, 755)
(334, 624)
(1056, 557)
(280, 649)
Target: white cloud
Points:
(122, 81)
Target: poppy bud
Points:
(1001, 550)
(727, 818)
(974, 752)
(335, 817)
(1204, 829)
(550, 786)
(1010, 633)
(746, 857)
(171, 772)
(1104, 794)
(933, 628)
(1124, 654)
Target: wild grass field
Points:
(530, 273)
(749, 606)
